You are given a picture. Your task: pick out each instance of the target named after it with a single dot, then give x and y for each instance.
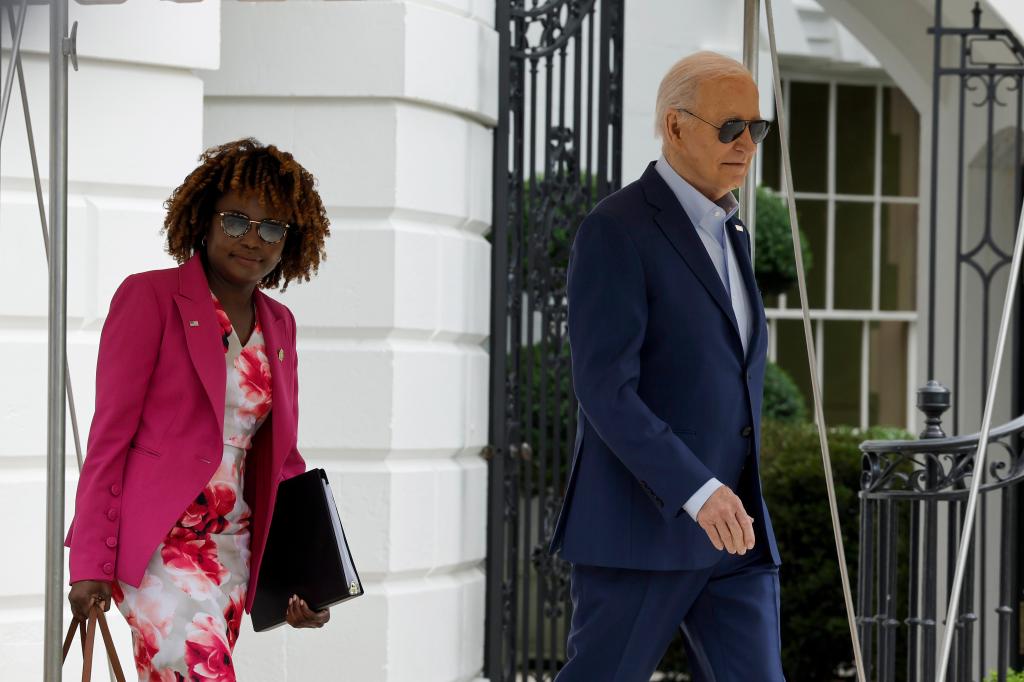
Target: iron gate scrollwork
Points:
(556, 153)
(913, 493)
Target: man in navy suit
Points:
(663, 520)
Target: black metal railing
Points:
(912, 502)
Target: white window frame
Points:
(820, 315)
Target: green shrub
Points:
(815, 635)
(774, 265)
(783, 401)
(1011, 676)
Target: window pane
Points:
(898, 258)
(808, 135)
(812, 216)
(855, 139)
(887, 391)
(791, 355)
(771, 161)
(842, 368)
(853, 256)
(900, 139)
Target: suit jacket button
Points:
(111, 542)
(108, 568)
(115, 490)
(112, 514)
(746, 431)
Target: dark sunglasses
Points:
(733, 128)
(235, 225)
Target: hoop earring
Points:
(203, 243)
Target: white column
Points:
(135, 130)
(390, 105)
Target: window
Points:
(854, 149)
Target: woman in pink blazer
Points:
(196, 416)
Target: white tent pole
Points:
(819, 413)
(751, 38)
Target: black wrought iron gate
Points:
(556, 152)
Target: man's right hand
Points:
(726, 522)
(85, 593)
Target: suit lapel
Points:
(740, 246)
(682, 234)
(277, 339)
(202, 333)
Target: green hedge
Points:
(815, 636)
(783, 401)
(774, 265)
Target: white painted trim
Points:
(857, 198)
(876, 209)
(849, 315)
(830, 219)
(865, 373)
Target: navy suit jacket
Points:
(667, 398)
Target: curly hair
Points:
(277, 180)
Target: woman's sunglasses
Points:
(235, 225)
(733, 128)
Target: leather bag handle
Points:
(88, 636)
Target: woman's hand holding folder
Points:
(299, 614)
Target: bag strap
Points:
(88, 636)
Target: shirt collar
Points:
(705, 214)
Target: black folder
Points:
(306, 552)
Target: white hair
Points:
(679, 87)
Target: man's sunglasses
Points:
(733, 128)
(235, 225)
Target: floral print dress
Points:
(186, 612)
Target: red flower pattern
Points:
(208, 513)
(193, 561)
(233, 614)
(254, 373)
(207, 652)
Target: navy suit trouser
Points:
(624, 620)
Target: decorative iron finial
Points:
(977, 14)
(933, 399)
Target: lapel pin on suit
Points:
(739, 228)
(280, 354)
(193, 323)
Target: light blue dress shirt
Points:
(709, 218)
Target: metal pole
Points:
(496, 626)
(751, 36)
(812, 361)
(57, 343)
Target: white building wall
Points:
(135, 130)
(390, 105)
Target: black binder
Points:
(306, 552)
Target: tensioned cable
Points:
(812, 361)
(982, 452)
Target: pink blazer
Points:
(157, 433)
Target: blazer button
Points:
(115, 490)
(108, 568)
(111, 542)
(746, 431)
(112, 514)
